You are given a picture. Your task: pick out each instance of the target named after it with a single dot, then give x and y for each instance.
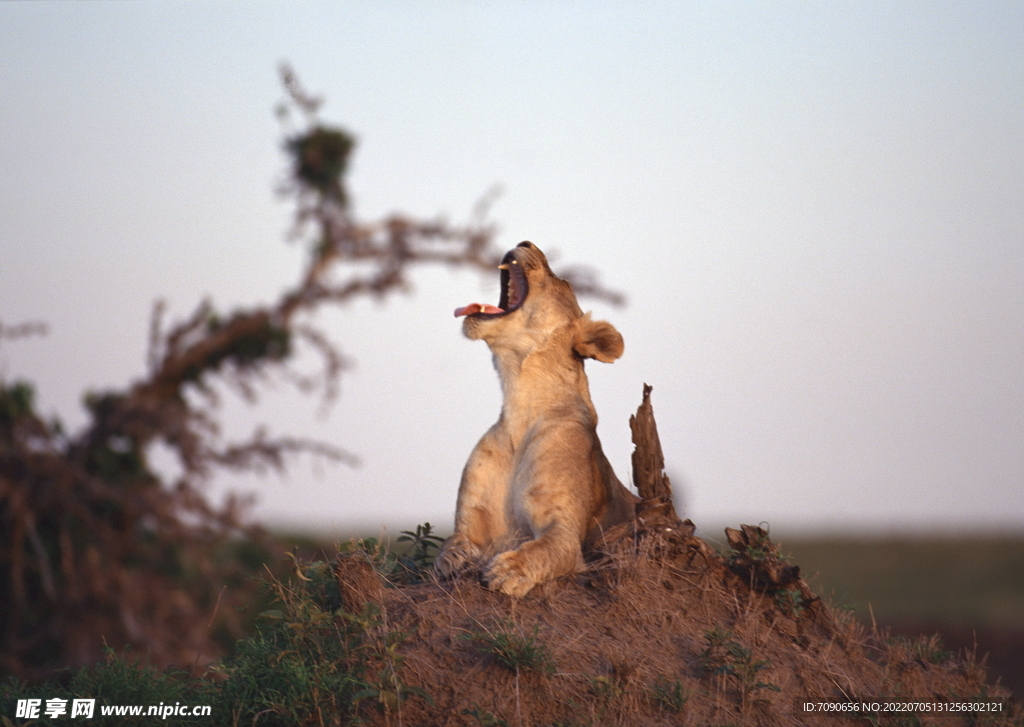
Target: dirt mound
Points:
(660, 630)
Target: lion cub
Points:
(537, 486)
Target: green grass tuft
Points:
(512, 649)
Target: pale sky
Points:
(816, 211)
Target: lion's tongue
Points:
(476, 308)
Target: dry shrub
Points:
(95, 547)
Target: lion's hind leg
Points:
(457, 555)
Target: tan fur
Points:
(537, 486)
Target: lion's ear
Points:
(597, 339)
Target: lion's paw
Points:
(458, 554)
(506, 573)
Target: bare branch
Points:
(299, 96)
(23, 330)
(93, 537)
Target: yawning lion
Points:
(537, 487)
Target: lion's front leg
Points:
(553, 554)
(555, 497)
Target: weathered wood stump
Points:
(656, 512)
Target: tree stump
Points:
(655, 512)
(649, 478)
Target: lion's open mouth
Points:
(513, 292)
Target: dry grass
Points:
(662, 634)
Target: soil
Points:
(661, 630)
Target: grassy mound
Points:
(659, 630)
